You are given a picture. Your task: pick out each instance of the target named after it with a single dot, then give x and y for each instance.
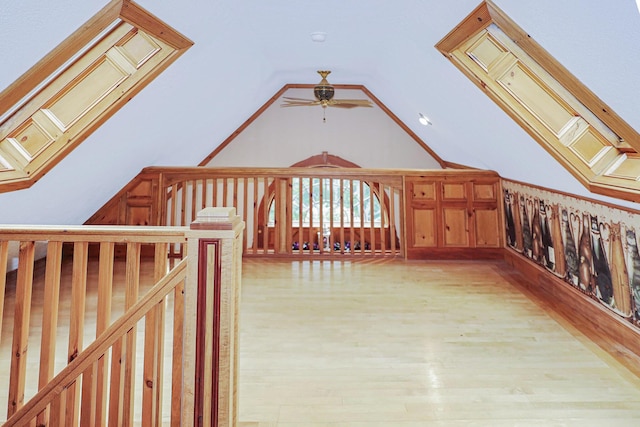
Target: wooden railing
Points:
(101, 318)
(292, 211)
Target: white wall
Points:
(282, 136)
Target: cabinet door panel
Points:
(456, 231)
(454, 191)
(487, 228)
(484, 192)
(424, 228)
(424, 191)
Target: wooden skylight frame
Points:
(75, 88)
(577, 128)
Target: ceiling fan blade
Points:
(353, 102)
(298, 99)
(305, 103)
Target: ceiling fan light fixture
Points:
(424, 120)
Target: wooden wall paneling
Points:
(76, 324)
(49, 319)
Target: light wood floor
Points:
(416, 344)
(404, 344)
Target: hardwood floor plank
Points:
(416, 343)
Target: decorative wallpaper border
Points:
(592, 246)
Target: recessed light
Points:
(424, 120)
(319, 36)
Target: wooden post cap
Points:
(215, 219)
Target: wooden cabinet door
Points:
(424, 228)
(487, 227)
(456, 226)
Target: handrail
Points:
(96, 349)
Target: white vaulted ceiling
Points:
(245, 51)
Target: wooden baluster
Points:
(154, 350)
(225, 191)
(76, 324)
(351, 218)
(392, 221)
(372, 224)
(132, 283)
(321, 215)
(383, 237)
(116, 383)
(244, 210)
(173, 213)
(265, 216)
(300, 216)
(288, 216)
(362, 236)
(103, 320)
(203, 194)
(58, 409)
(312, 235)
(22, 312)
(214, 193)
(4, 257)
(194, 200)
(49, 319)
(89, 396)
(183, 205)
(330, 236)
(256, 182)
(342, 245)
(176, 369)
(235, 193)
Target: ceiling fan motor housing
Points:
(323, 92)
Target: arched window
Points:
(318, 201)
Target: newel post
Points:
(212, 296)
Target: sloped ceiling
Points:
(245, 51)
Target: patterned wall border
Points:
(592, 246)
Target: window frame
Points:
(603, 173)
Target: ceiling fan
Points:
(324, 92)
